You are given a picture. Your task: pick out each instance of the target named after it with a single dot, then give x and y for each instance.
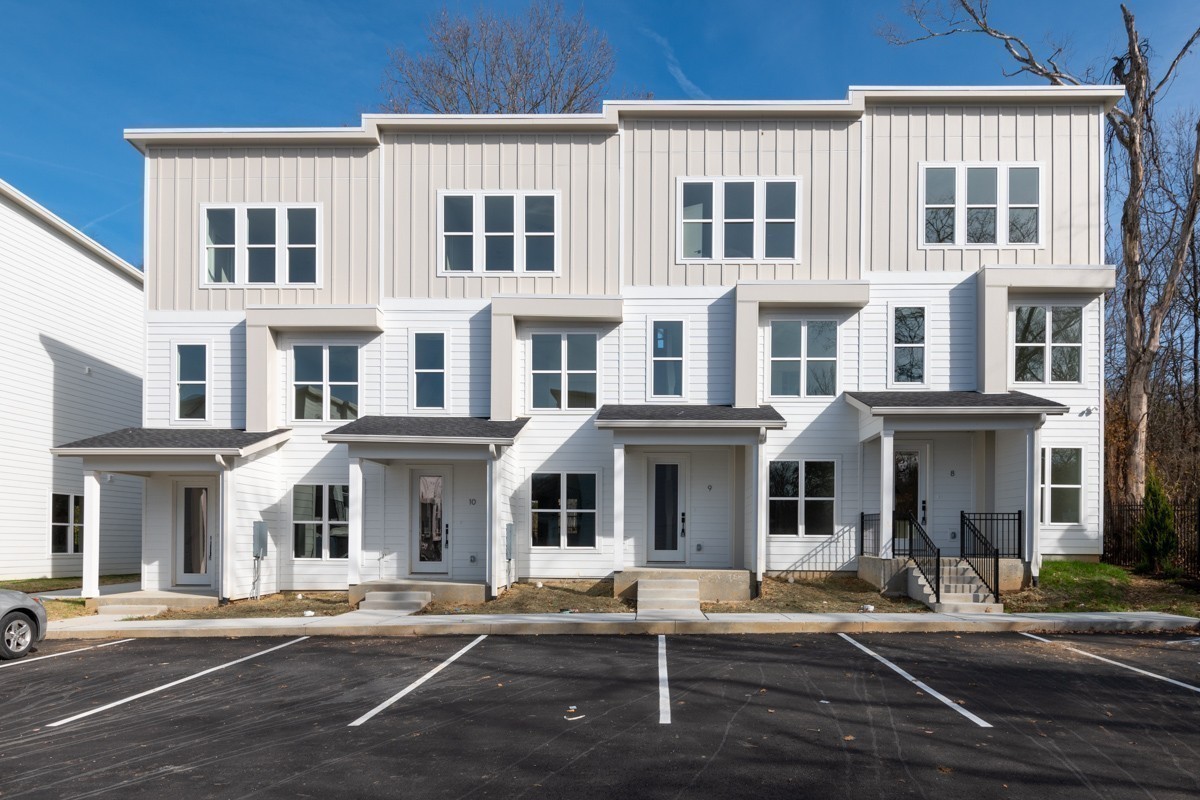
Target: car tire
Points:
(17, 633)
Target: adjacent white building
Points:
(749, 336)
(71, 325)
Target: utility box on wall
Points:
(260, 539)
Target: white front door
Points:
(667, 525)
(196, 514)
(431, 521)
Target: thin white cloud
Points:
(690, 89)
(109, 215)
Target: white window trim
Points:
(960, 205)
(892, 383)
(562, 334)
(1049, 305)
(241, 266)
(800, 534)
(651, 397)
(290, 393)
(478, 235)
(208, 383)
(1044, 488)
(803, 397)
(71, 523)
(562, 487)
(718, 218)
(412, 372)
(324, 523)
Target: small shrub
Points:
(1157, 541)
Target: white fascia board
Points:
(270, 441)
(1107, 95)
(706, 424)
(235, 452)
(436, 440)
(958, 411)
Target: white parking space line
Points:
(664, 690)
(415, 683)
(1115, 663)
(166, 686)
(923, 686)
(64, 653)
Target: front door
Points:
(431, 521)
(668, 510)
(195, 517)
(910, 499)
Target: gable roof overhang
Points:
(688, 424)
(145, 451)
(909, 411)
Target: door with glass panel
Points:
(910, 496)
(431, 523)
(667, 524)
(196, 515)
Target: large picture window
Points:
(498, 232)
(804, 357)
(1048, 344)
(66, 524)
(801, 496)
(563, 371)
(1061, 481)
(324, 382)
(320, 521)
(738, 219)
(981, 205)
(563, 510)
(260, 245)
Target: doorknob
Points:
(922, 512)
(446, 538)
(682, 524)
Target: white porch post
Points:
(355, 532)
(887, 492)
(227, 569)
(760, 507)
(91, 534)
(618, 512)
(1033, 501)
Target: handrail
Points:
(980, 554)
(868, 534)
(926, 556)
(1005, 530)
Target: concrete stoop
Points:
(402, 602)
(141, 603)
(962, 591)
(130, 611)
(675, 598)
(442, 591)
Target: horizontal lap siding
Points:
(708, 347)
(260, 498)
(468, 360)
(343, 181)
(306, 459)
(226, 340)
(582, 168)
(950, 326)
(823, 154)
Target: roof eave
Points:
(503, 441)
(683, 423)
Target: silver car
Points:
(22, 623)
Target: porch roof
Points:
(174, 441)
(955, 403)
(688, 416)
(428, 430)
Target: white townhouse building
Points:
(746, 337)
(71, 338)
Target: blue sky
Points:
(74, 74)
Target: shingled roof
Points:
(703, 415)
(197, 440)
(403, 428)
(917, 401)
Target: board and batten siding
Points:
(582, 168)
(823, 154)
(342, 181)
(1065, 140)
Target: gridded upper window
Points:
(429, 370)
(324, 382)
(981, 205)
(666, 358)
(908, 344)
(499, 232)
(803, 358)
(563, 371)
(260, 245)
(738, 219)
(1048, 336)
(191, 382)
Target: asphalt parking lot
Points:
(881, 715)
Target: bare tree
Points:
(544, 61)
(1158, 217)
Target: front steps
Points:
(669, 598)
(962, 591)
(443, 591)
(401, 602)
(150, 601)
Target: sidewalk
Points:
(390, 623)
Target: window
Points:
(1062, 497)
(984, 205)
(498, 232)
(551, 516)
(320, 521)
(666, 358)
(1056, 331)
(429, 370)
(908, 344)
(253, 245)
(803, 358)
(66, 523)
(566, 360)
(791, 512)
(191, 381)
(738, 219)
(325, 382)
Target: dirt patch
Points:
(554, 597)
(1076, 586)
(66, 609)
(833, 595)
(283, 604)
(36, 585)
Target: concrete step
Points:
(152, 598)
(646, 593)
(395, 601)
(440, 590)
(968, 608)
(963, 588)
(671, 594)
(672, 584)
(130, 611)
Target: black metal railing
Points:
(926, 556)
(902, 534)
(1004, 529)
(868, 534)
(1121, 522)
(983, 556)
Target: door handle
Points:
(922, 512)
(446, 538)
(683, 524)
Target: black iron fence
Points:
(925, 555)
(1003, 529)
(1121, 522)
(868, 534)
(983, 556)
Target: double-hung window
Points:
(738, 219)
(66, 524)
(666, 358)
(981, 205)
(1062, 494)
(1048, 344)
(324, 382)
(191, 382)
(563, 509)
(563, 370)
(260, 245)
(908, 345)
(429, 370)
(803, 358)
(498, 232)
(320, 521)
(801, 498)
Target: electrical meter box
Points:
(260, 539)
(508, 541)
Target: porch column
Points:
(887, 492)
(227, 569)
(91, 534)
(355, 531)
(618, 512)
(1033, 501)
(759, 487)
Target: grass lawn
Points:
(832, 595)
(283, 604)
(65, 609)
(1079, 586)
(554, 597)
(35, 585)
